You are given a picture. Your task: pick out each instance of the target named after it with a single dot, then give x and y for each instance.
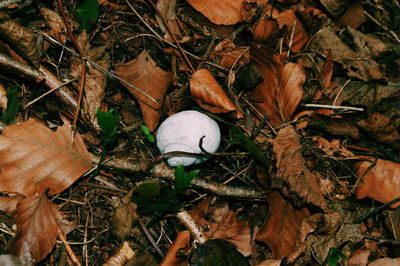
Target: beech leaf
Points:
(36, 229)
(209, 94)
(222, 12)
(282, 228)
(281, 91)
(300, 37)
(33, 158)
(143, 73)
(297, 178)
(381, 182)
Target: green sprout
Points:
(147, 133)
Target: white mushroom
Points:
(183, 131)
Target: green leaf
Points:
(151, 139)
(13, 104)
(108, 122)
(246, 143)
(87, 13)
(182, 179)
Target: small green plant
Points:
(13, 104)
(159, 199)
(147, 133)
(108, 122)
(334, 257)
(87, 13)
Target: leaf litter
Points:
(289, 183)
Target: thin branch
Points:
(349, 108)
(187, 220)
(150, 238)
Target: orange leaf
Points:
(281, 230)
(180, 242)
(9, 205)
(221, 12)
(300, 37)
(281, 90)
(209, 94)
(36, 229)
(292, 170)
(381, 183)
(223, 223)
(143, 73)
(33, 158)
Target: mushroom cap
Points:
(183, 131)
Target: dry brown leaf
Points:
(95, 81)
(56, 24)
(356, 60)
(144, 73)
(381, 129)
(354, 16)
(385, 262)
(359, 257)
(220, 222)
(281, 91)
(292, 171)
(381, 183)
(180, 242)
(340, 126)
(230, 54)
(209, 94)
(121, 256)
(33, 158)
(124, 217)
(270, 263)
(281, 230)
(221, 12)
(167, 8)
(36, 229)
(22, 40)
(300, 37)
(9, 205)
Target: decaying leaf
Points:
(281, 229)
(381, 182)
(359, 257)
(300, 37)
(33, 158)
(357, 61)
(57, 26)
(354, 16)
(36, 229)
(385, 262)
(281, 91)
(95, 81)
(296, 177)
(209, 94)
(167, 8)
(143, 73)
(230, 54)
(179, 244)
(222, 12)
(381, 129)
(22, 40)
(220, 222)
(124, 217)
(120, 258)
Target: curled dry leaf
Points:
(180, 242)
(33, 158)
(95, 81)
(356, 61)
(144, 73)
(380, 181)
(281, 91)
(223, 223)
(291, 169)
(385, 262)
(124, 217)
(230, 54)
(36, 229)
(22, 40)
(300, 37)
(57, 26)
(209, 94)
(281, 229)
(359, 257)
(222, 12)
(123, 254)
